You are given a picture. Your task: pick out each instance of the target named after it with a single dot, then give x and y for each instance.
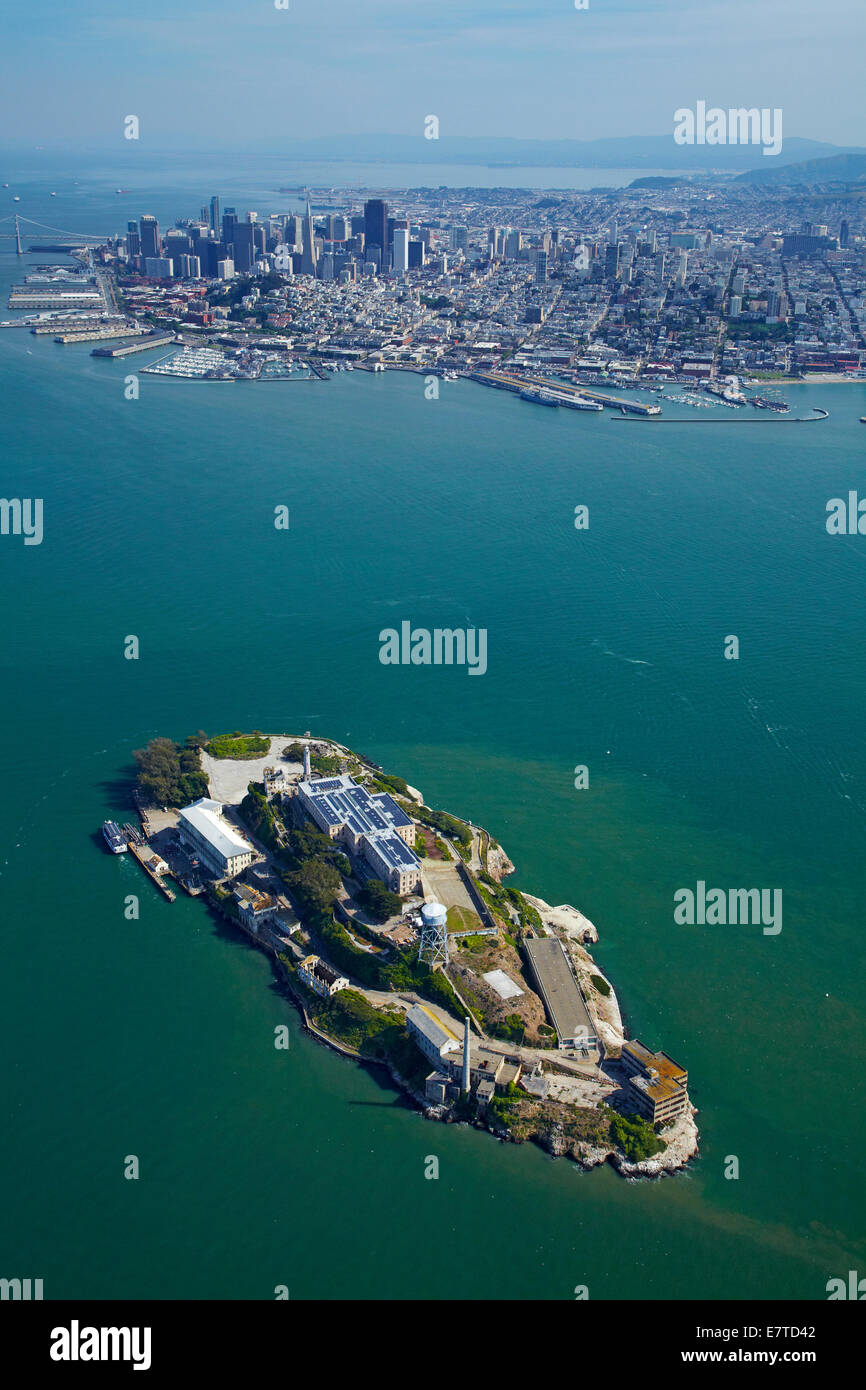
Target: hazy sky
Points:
(241, 72)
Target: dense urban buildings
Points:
(694, 281)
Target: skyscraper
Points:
(308, 245)
(230, 218)
(215, 213)
(844, 233)
(401, 249)
(244, 251)
(376, 227)
(541, 267)
(133, 240)
(149, 237)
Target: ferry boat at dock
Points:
(764, 403)
(114, 837)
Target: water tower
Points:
(434, 935)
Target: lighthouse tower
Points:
(306, 762)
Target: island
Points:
(400, 943)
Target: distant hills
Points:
(837, 168)
(621, 152)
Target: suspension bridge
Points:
(45, 233)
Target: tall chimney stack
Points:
(465, 1085)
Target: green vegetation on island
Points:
(377, 1034)
(170, 774)
(238, 746)
(378, 901)
(635, 1137)
(443, 822)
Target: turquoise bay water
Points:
(155, 1038)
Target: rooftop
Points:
(206, 817)
(559, 989)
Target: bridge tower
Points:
(19, 250)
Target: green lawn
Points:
(463, 919)
(244, 746)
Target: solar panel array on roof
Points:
(343, 802)
(372, 820)
(397, 853)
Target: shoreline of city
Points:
(433, 964)
(641, 289)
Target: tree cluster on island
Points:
(169, 773)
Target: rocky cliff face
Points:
(499, 866)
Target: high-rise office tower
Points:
(176, 243)
(416, 255)
(460, 239)
(292, 235)
(211, 253)
(513, 243)
(308, 244)
(541, 267)
(401, 249)
(611, 261)
(230, 219)
(844, 233)
(215, 213)
(149, 237)
(244, 249)
(133, 240)
(376, 227)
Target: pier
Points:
(510, 381)
(145, 856)
(140, 345)
(91, 335)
